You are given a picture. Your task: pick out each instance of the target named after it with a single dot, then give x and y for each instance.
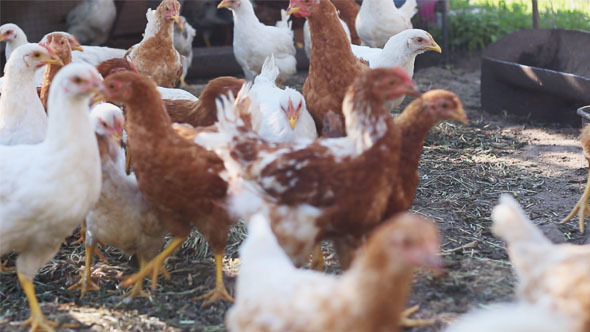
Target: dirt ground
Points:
(464, 169)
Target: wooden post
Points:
(535, 15)
(445, 31)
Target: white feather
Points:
(378, 20)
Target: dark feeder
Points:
(543, 74)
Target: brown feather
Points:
(348, 10)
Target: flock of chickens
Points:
(101, 138)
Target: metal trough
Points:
(544, 74)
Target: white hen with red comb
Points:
(278, 115)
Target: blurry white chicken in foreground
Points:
(46, 189)
(511, 317)
(378, 20)
(184, 34)
(554, 276)
(254, 41)
(22, 117)
(278, 115)
(13, 36)
(92, 20)
(122, 217)
(307, 36)
(369, 297)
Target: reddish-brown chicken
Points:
(60, 44)
(155, 55)
(370, 297)
(348, 10)
(180, 178)
(203, 112)
(333, 67)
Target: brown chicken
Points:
(369, 297)
(203, 112)
(60, 44)
(415, 122)
(155, 55)
(348, 9)
(556, 277)
(333, 67)
(581, 208)
(179, 178)
(307, 189)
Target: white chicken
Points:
(122, 217)
(378, 20)
(254, 41)
(13, 36)
(184, 34)
(554, 276)
(46, 189)
(92, 20)
(399, 51)
(307, 36)
(94, 55)
(511, 317)
(22, 117)
(278, 115)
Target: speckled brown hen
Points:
(333, 67)
(348, 10)
(369, 297)
(155, 55)
(329, 188)
(180, 178)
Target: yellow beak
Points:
(293, 10)
(460, 115)
(293, 122)
(78, 48)
(176, 18)
(223, 4)
(118, 138)
(434, 47)
(2, 38)
(54, 60)
(98, 97)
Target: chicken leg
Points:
(137, 289)
(82, 239)
(317, 258)
(85, 283)
(581, 208)
(220, 292)
(405, 321)
(4, 269)
(155, 266)
(37, 319)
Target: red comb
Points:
(48, 48)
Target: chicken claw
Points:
(581, 208)
(137, 290)
(220, 292)
(155, 266)
(37, 320)
(408, 322)
(85, 283)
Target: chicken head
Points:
(410, 240)
(108, 120)
(7, 32)
(170, 10)
(291, 112)
(83, 82)
(40, 55)
(444, 105)
(59, 43)
(302, 8)
(421, 41)
(115, 65)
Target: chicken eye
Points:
(8, 32)
(167, 8)
(111, 86)
(420, 39)
(77, 79)
(36, 54)
(445, 105)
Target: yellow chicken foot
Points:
(137, 290)
(405, 321)
(4, 269)
(82, 239)
(317, 259)
(85, 283)
(155, 266)
(581, 208)
(37, 320)
(220, 292)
